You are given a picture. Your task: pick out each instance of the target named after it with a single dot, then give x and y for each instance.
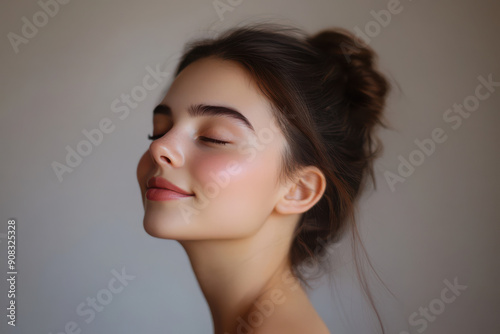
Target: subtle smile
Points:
(159, 189)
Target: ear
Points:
(303, 193)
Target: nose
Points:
(167, 150)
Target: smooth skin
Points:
(237, 228)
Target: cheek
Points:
(236, 182)
(212, 172)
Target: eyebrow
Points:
(207, 110)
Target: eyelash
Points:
(206, 139)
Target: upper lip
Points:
(159, 182)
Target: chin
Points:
(173, 227)
(163, 226)
(154, 229)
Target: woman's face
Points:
(233, 181)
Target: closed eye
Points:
(206, 139)
(211, 140)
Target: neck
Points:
(234, 273)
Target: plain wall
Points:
(439, 225)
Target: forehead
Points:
(219, 82)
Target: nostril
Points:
(168, 160)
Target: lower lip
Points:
(158, 194)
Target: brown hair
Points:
(327, 98)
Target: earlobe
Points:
(303, 193)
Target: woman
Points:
(260, 149)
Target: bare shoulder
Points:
(292, 326)
(293, 314)
(293, 323)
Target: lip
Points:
(159, 194)
(160, 189)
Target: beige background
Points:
(440, 224)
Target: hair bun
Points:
(351, 62)
(349, 70)
(341, 44)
